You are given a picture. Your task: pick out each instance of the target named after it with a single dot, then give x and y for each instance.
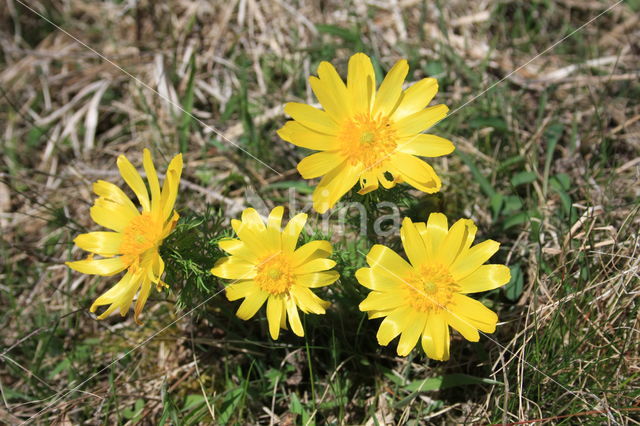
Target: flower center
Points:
(431, 288)
(368, 141)
(141, 234)
(275, 274)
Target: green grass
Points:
(541, 167)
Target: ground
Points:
(545, 117)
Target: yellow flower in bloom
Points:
(364, 135)
(422, 299)
(137, 235)
(267, 267)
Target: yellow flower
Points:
(134, 244)
(267, 267)
(424, 298)
(366, 136)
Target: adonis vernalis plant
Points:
(421, 299)
(366, 135)
(137, 235)
(266, 267)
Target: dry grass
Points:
(569, 340)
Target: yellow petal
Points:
(103, 267)
(473, 258)
(292, 231)
(334, 85)
(368, 181)
(334, 185)
(302, 136)
(312, 118)
(474, 313)
(390, 90)
(421, 120)
(378, 301)
(415, 172)
(171, 185)
(157, 267)
(315, 265)
(274, 315)
(251, 219)
(112, 193)
(435, 338)
(312, 250)
(426, 145)
(434, 233)
(241, 289)
(368, 278)
(455, 241)
(294, 317)
(238, 248)
(394, 324)
(463, 326)
(411, 334)
(415, 98)
(251, 304)
(273, 233)
(333, 105)
(275, 218)
(154, 184)
(486, 277)
(319, 164)
(234, 268)
(317, 279)
(307, 300)
(145, 288)
(120, 296)
(111, 215)
(388, 262)
(361, 83)
(135, 182)
(412, 242)
(102, 243)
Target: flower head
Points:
(266, 267)
(137, 235)
(366, 136)
(421, 299)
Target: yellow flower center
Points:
(275, 274)
(367, 141)
(431, 288)
(140, 235)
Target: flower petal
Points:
(473, 258)
(416, 98)
(411, 334)
(312, 250)
(170, 186)
(361, 83)
(426, 145)
(388, 262)
(103, 267)
(114, 194)
(275, 310)
(412, 242)
(317, 279)
(334, 85)
(234, 268)
(332, 104)
(238, 248)
(305, 137)
(379, 301)
(308, 301)
(435, 338)
(475, 313)
(112, 215)
(421, 120)
(294, 317)
(241, 289)
(394, 324)
(486, 277)
(368, 278)
(103, 243)
(292, 231)
(145, 288)
(311, 117)
(455, 241)
(434, 233)
(415, 172)
(251, 304)
(319, 164)
(390, 90)
(134, 180)
(315, 265)
(334, 185)
(154, 184)
(463, 326)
